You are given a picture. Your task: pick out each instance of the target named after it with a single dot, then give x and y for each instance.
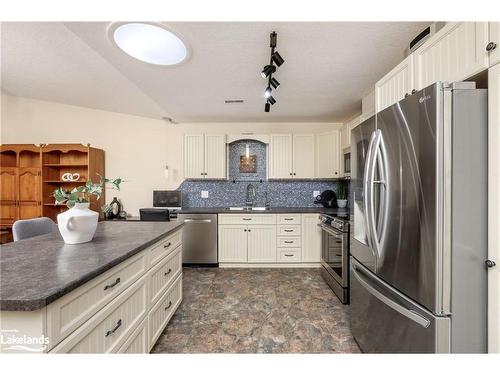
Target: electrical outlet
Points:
(316, 193)
(204, 194)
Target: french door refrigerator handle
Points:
(370, 211)
(410, 314)
(366, 196)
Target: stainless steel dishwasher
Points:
(199, 239)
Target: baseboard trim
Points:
(269, 265)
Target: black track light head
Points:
(271, 100)
(267, 93)
(274, 82)
(278, 60)
(267, 107)
(268, 69)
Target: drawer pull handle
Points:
(288, 218)
(167, 245)
(168, 272)
(111, 331)
(288, 241)
(288, 230)
(169, 305)
(109, 286)
(247, 218)
(289, 255)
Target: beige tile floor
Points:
(257, 311)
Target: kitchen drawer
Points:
(165, 247)
(69, 312)
(291, 255)
(289, 242)
(106, 331)
(289, 219)
(161, 313)
(137, 342)
(247, 219)
(289, 230)
(161, 276)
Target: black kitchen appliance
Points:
(154, 214)
(328, 199)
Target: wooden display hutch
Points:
(30, 173)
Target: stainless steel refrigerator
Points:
(419, 230)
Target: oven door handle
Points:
(333, 232)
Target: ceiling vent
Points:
(425, 34)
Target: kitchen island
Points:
(113, 294)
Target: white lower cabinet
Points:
(233, 243)
(125, 309)
(261, 243)
(311, 238)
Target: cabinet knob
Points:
(491, 46)
(490, 263)
(291, 174)
(413, 91)
(295, 174)
(336, 172)
(407, 95)
(249, 230)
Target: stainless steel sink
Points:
(247, 208)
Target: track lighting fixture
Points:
(267, 72)
(278, 60)
(274, 82)
(267, 93)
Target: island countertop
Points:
(37, 271)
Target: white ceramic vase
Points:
(342, 203)
(78, 224)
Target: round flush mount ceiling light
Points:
(149, 43)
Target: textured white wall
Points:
(137, 148)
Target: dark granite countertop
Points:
(37, 271)
(271, 210)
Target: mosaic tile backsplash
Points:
(232, 193)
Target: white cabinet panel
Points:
(495, 39)
(328, 155)
(194, 156)
(232, 243)
(303, 155)
(395, 85)
(454, 53)
(215, 156)
(261, 244)
(280, 156)
(311, 238)
(494, 208)
(137, 342)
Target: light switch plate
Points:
(204, 194)
(316, 193)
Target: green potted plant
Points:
(342, 194)
(79, 223)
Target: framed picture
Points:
(248, 165)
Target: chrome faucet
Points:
(250, 195)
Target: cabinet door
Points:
(454, 53)
(29, 193)
(280, 156)
(494, 38)
(232, 243)
(494, 208)
(215, 156)
(311, 238)
(303, 155)
(328, 155)
(194, 156)
(395, 85)
(261, 243)
(8, 195)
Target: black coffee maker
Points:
(328, 199)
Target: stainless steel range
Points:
(335, 254)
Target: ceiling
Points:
(329, 67)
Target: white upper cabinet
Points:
(493, 45)
(328, 155)
(215, 156)
(280, 156)
(395, 85)
(454, 53)
(367, 106)
(205, 156)
(303, 155)
(194, 156)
